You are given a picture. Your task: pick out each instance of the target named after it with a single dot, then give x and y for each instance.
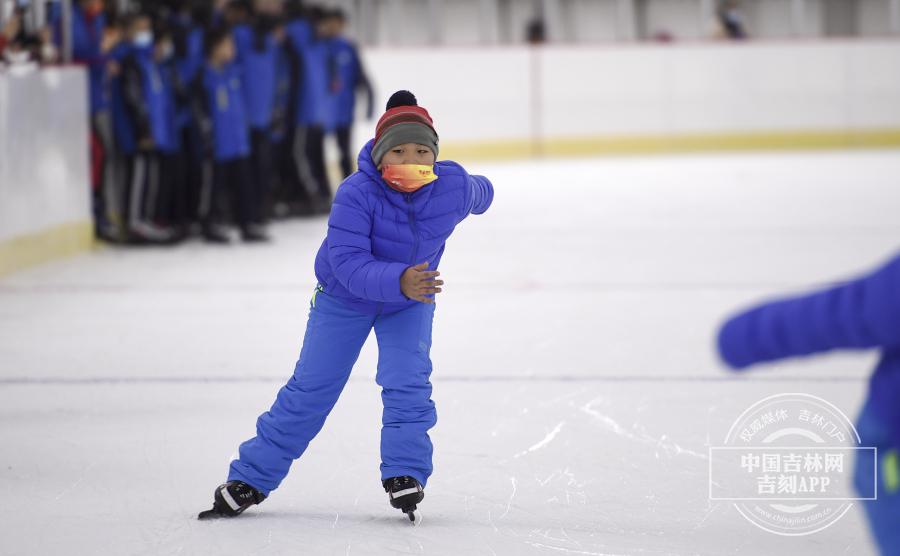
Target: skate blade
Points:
(209, 514)
(414, 516)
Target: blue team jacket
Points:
(345, 75)
(86, 38)
(186, 68)
(152, 100)
(123, 128)
(859, 314)
(375, 233)
(314, 104)
(282, 105)
(258, 67)
(191, 62)
(227, 114)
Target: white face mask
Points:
(143, 39)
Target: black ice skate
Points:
(231, 499)
(405, 492)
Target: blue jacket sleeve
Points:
(480, 195)
(863, 313)
(350, 251)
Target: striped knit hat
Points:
(404, 122)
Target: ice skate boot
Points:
(231, 499)
(404, 492)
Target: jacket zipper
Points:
(412, 224)
(415, 230)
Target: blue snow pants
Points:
(883, 513)
(334, 337)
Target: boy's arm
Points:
(481, 194)
(863, 313)
(350, 252)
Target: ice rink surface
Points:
(574, 376)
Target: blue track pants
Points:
(334, 337)
(884, 513)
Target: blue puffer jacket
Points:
(375, 233)
(859, 314)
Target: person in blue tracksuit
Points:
(223, 117)
(174, 199)
(286, 182)
(188, 24)
(257, 53)
(150, 103)
(297, 184)
(313, 111)
(91, 44)
(346, 78)
(376, 268)
(123, 128)
(863, 313)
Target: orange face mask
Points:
(407, 178)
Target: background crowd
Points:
(213, 112)
(207, 113)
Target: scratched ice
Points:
(575, 381)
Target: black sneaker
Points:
(148, 233)
(254, 233)
(404, 492)
(214, 234)
(231, 499)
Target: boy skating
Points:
(377, 268)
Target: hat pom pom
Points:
(401, 98)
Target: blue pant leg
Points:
(883, 513)
(404, 369)
(334, 337)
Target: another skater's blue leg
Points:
(404, 369)
(884, 512)
(334, 337)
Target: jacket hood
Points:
(365, 163)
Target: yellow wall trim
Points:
(31, 249)
(662, 144)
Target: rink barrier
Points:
(562, 100)
(671, 144)
(45, 186)
(60, 241)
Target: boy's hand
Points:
(417, 283)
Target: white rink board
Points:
(576, 387)
(520, 93)
(44, 172)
